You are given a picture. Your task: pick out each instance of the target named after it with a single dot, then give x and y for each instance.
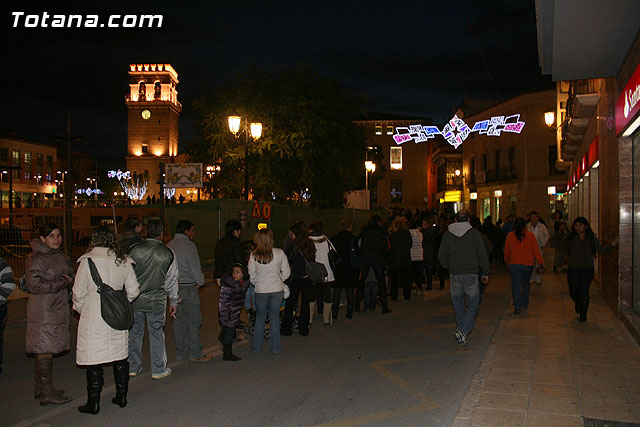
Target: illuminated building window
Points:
(396, 191)
(145, 148)
(396, 158)
(16, 162)
(378, 130)
(27, 165)
(389, 130)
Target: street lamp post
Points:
(370, 167)
(256, 132)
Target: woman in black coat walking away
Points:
(400, 259)
(346, 274)
(583, 246)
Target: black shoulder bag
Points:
(114, 306)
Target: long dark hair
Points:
(302, 242)
(103, 237)
(46, 229)
(519, 229)
(588, 233)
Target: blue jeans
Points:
(269, 302)
(464, 286)
(248, 297)
(520, 275)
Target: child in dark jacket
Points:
(232, 290)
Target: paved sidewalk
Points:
(545, 368)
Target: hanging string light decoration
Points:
(133, 186)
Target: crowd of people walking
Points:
(310, 273)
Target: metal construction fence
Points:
(209, 218)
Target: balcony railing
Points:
(493, 175)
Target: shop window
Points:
(486, 208)
(395, 157)
(396, 191)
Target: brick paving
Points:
(545, 368)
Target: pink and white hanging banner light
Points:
(456, 130)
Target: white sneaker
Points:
(162, 374)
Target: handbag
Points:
(115, 308)
(316, 271)
(286, 291)
(334, 257)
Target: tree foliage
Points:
(309, 139)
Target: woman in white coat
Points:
(322, 291)
(98, 343)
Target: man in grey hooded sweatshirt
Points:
(462, 252)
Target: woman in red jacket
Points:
(520, 253)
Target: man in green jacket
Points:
(462, 252)
(156, 269)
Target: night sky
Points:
(417, 58)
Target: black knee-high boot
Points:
(95, 379)
(121, 377)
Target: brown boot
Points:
(45, 384)
(36, 387)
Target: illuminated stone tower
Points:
(154, 111)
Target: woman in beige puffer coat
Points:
(48, 277)
(99, 343)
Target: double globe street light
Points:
(255, 131)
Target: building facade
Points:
(597, 116)
(402, 171)
(514, 173)
(31, 170)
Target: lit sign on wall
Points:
(453, 196)
(456, 130)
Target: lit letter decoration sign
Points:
(456, 130)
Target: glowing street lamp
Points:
(370, 167)
(549, 118)
(255, 131)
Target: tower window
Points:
(145, 148)
(389, 130)
(378, 130)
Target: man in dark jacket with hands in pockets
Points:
(462, 252)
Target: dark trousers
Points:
(337, 292)
(302, 287)
(378, 270)
(417, 269)
(226, 335)
(3, 322)
(400, 278)
(579, 284)
(428, 273)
